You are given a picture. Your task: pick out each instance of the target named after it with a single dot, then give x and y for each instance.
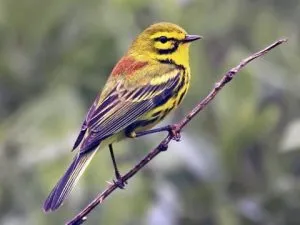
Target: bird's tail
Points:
(64, 186)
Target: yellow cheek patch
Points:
(167, 45)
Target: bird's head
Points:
(162, 42)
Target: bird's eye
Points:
(163, 39)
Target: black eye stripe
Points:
(163, 39)
(167, 39)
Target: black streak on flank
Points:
(165, 95)
(181, 96)
(156, 114)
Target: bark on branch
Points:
(81, 217)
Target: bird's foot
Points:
(120, 182)
(174, 132)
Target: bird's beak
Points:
(191, 37)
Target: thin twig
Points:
(163, 146)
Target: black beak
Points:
(191, 37)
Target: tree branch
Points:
(163, 146)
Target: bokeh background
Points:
(238, 162)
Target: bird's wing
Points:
(124, 105)
(138, 71)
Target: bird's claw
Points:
(175, 132)
(119, 182)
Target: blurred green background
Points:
(238, 161)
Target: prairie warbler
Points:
(148, 82)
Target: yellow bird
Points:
(148, 82)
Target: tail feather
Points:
(64, 186)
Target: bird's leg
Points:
(173, 130)
(119, 180)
